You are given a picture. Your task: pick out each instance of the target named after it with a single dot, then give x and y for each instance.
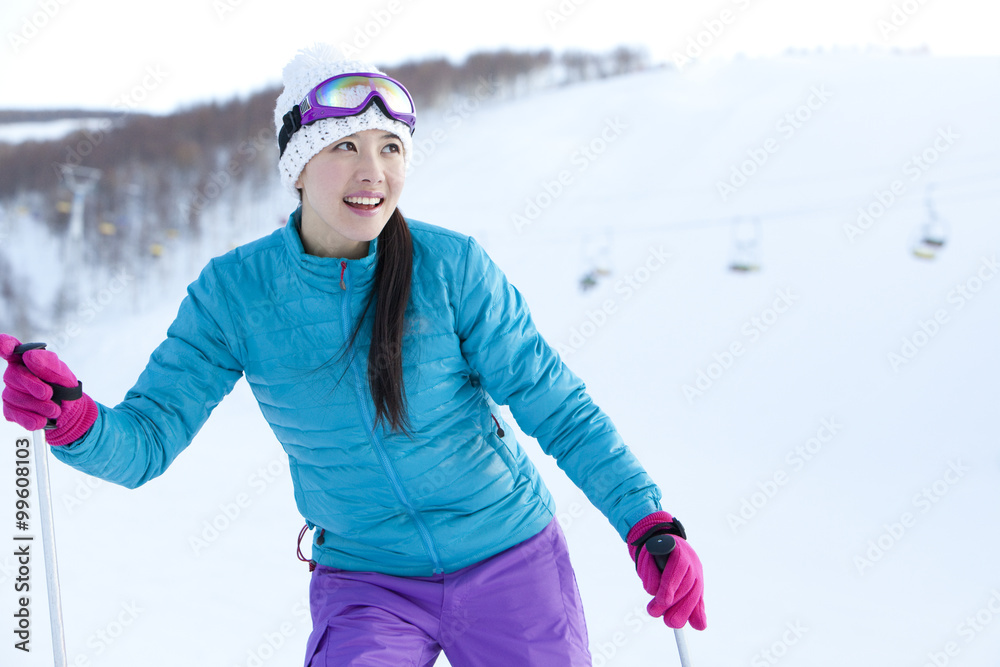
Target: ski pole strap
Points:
(60, 393)
(674, 527)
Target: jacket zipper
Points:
(369, 420)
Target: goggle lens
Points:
(350, 92)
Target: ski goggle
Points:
(349, 95)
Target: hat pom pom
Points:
(307, 60)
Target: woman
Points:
(378, 349)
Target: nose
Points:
(370, 168)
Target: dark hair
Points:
(391, 292)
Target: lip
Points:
(366, 213)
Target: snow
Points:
(15, 133)
(847, 388)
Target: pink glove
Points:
(678, 590)
(27, 396)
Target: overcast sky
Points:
(159, 56)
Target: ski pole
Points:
(659, 547)
(45, 517)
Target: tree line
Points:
(162, 172)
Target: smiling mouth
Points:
(364, 203)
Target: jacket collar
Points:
(325, 272)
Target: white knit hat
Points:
(309, 68)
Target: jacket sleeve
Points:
(550, 403)
(186, 377)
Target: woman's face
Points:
(349, 190)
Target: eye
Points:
(392, 148)
(345, 146)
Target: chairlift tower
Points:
(81, 182)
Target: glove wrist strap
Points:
(674, 527)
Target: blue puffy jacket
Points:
(450, 495)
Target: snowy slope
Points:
(842, 499)
(13, 133)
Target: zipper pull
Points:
(343, 267)
(499, 430)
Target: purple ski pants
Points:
(519, 608)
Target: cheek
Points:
(325, 184)
(327, 172)
(397, 178)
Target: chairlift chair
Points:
(933, 233)
(747, 235)
(596, 251)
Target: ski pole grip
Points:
(24, 347)
(59, 392)
(659, 547)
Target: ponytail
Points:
(393, 273)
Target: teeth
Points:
(364, 201)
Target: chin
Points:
(368, 232)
